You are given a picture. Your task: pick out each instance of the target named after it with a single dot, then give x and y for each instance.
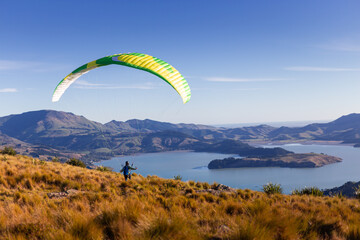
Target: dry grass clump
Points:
(101, 205)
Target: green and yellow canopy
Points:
(140, 61)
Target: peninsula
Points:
(291, 160)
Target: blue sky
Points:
(245, 61)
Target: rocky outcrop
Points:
(68, 193)
(349, 189)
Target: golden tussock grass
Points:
(101, 205)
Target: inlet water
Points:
(193, 166)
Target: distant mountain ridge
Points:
(70, 133)
(148, 125)
(47, 123)
(345, 128)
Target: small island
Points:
(291, 160)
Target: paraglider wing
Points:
(140, 61)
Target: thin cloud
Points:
(224, 79)
(87, 85)
(346, 45)
(115, 87)
(247, 89)
(320, 69)
(15, 65)
(8, 90)
(346, 48)
(227, 89)
(29, 65)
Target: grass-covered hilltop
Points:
(51, 200)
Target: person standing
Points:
(127, 170)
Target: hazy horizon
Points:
(274, 124)
(226, 125)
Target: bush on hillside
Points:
(272, 188)
(76, 162)
(357, 192)
(104, 169)
(314, 191)
(178, 177)
(9, 151)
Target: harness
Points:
(126, 170)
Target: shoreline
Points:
(255, 184)
(255, 143)
(258, 143)
(136, 154)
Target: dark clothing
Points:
(127, 177)
(126, 170)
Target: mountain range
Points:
(51, 133)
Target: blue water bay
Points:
(193, 166)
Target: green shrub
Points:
(104, 169)
(178, 177)
(8, 151)
(55, 159)
(272, 188)
(339, 195)
(357, 192)
(314, 191)
(76, 162)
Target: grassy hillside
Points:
(101, 205)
